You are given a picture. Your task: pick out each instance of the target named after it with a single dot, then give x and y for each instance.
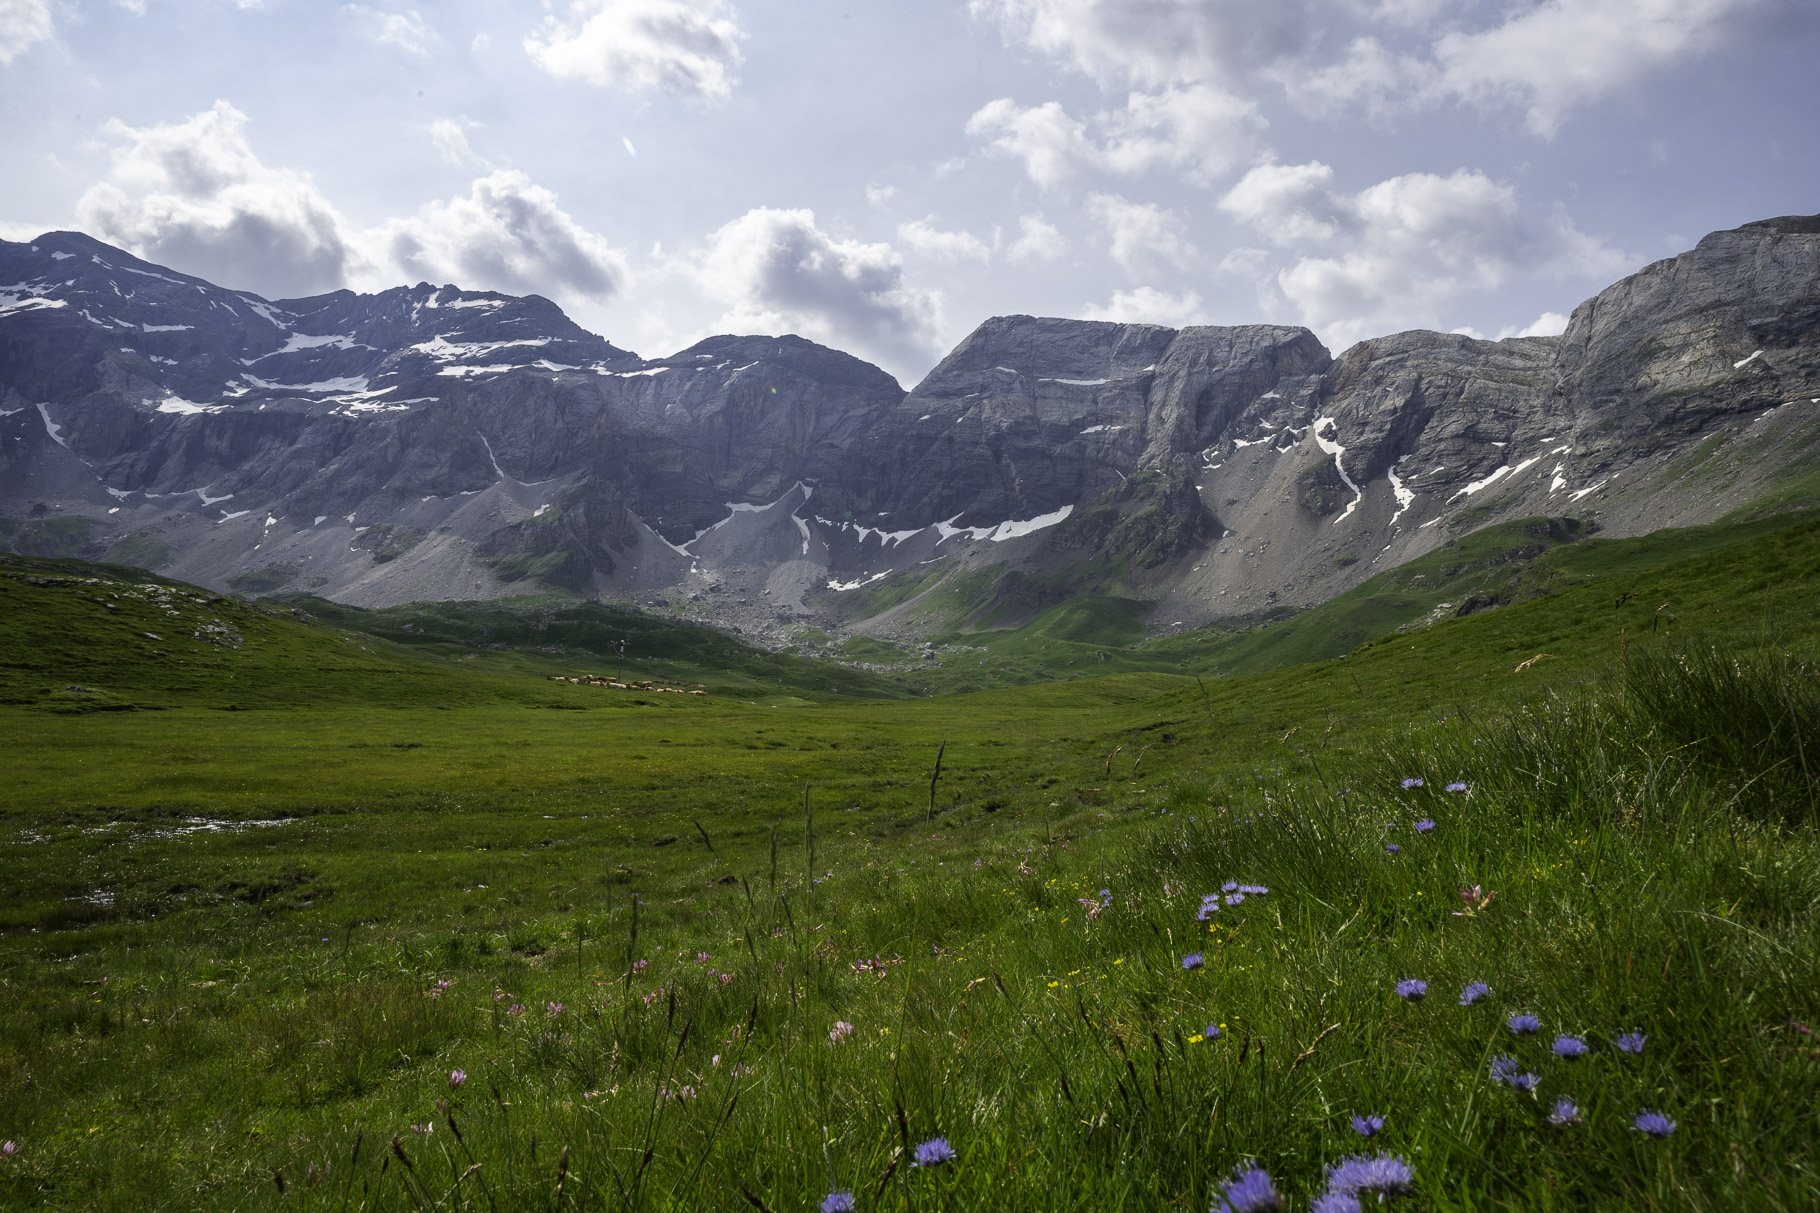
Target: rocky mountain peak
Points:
(429, 441)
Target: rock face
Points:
(430, 442)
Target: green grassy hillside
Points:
(82, 637)
(409, 939)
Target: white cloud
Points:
(1369, 75)
(451, 140)
(1040, 240)
(193, 194)
(1199, 129)
(689, 48)
(1156, 43)
(1142, 234)
(23, 23)
(1548, 324)
(1400, 253)
(407, 30)
(1546, 56)
(1147, 305)
(879, 195)
(1553, 56)
(1053, 146)
(924, 237)
(776, 271)
(135, 7)
(20, 233)
(1196, 129)
(1292, 203)
(508, 234)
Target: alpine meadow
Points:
(986, 606)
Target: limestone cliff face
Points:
(432, 442)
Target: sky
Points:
(882, 177)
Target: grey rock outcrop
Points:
(432, 442)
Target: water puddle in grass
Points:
(208, 825)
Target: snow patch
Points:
(1575, 496)
(166, 328)
(186, 408)
(12, 300)
(1102, 429)
(442, 349)
(1506, 470)
(310, 341)
(1005, 530)
(1074, 382)
(1333, 448)
(265, 310)
(463, 372)
(225, 517)
(345, 383)
(885, 538)
(52, 428)
(842, 586)
(1405, 496)
(1744, 362)
(494, 459)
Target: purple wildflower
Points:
(1569, 1047)
(1653, 1123)
(1472, 991)
(1412, 783)
(553, 1009)
(934, 1152)
(838, 1202)
(1631, 1042)
(1229, 886)
(1524, 1025)
(1456, 786)
(1208, 908)
(1336, 1202)
(1566, 1113)
(1193, 960)
(1423, 827)
(1212, 1032)
(840, 1031)
(1255, 890)
(1367, 1126)
(1380, 1175)
(1235, 899)
(1412, 989)
(1248, 1191)
(456, 1078)
(1524, 1082)
(1504, 1068)
(517, 1008)
(8, 1148)
(1393, 848)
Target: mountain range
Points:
(434, 443)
